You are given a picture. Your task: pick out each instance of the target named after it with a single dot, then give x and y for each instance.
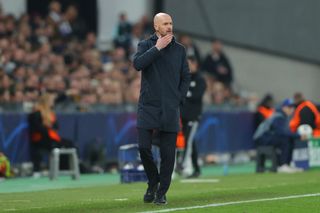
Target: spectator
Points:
(112, 93)
(71, 24)
(77, 23)
(136, 37)
(91, 40)
(36, 57)
(191, 49)
(133, 91)
(147, 26)
(123, 33)
(217, 64)
(55, 15)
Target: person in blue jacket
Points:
(164, 85)
(275, 132)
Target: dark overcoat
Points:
(164, 84)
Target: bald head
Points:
(162, 24)
(159, 16)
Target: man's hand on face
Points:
(164, 41)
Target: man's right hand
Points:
(163, 41)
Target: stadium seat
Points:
(264, 153)
(55, 163)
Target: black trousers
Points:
(167, 147)
(285, 144)
(186, 128)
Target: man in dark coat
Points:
(164, 85)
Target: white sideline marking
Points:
(121, 199)
(200, 181)
(18, 201)
(234, 202)
(12, 210)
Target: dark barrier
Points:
(218, 132)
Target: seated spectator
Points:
(217, 64)
(147, 26)
(71, 24)
(133, 91)
(112, 92)
(123, 33)
(275, 131)
(219, 93)
(91, 40)
(55, 15)
(306, 113)
(136, 37)
(191, 49)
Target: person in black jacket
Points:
(190, 114)
(217, 65)
(164, 85)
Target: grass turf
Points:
(107, 195)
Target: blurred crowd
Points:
(56, 54)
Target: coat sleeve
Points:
(281, 128)
(144, 56)
(185, 79)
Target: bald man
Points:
(164, 85)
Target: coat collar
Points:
(154, 37)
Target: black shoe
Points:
(160, 200)
(194, 175)
(150, 194)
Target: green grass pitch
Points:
(103, 193)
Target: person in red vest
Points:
(43, 131)
(264, 110)
(306, 112)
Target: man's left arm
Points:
(184, 79)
